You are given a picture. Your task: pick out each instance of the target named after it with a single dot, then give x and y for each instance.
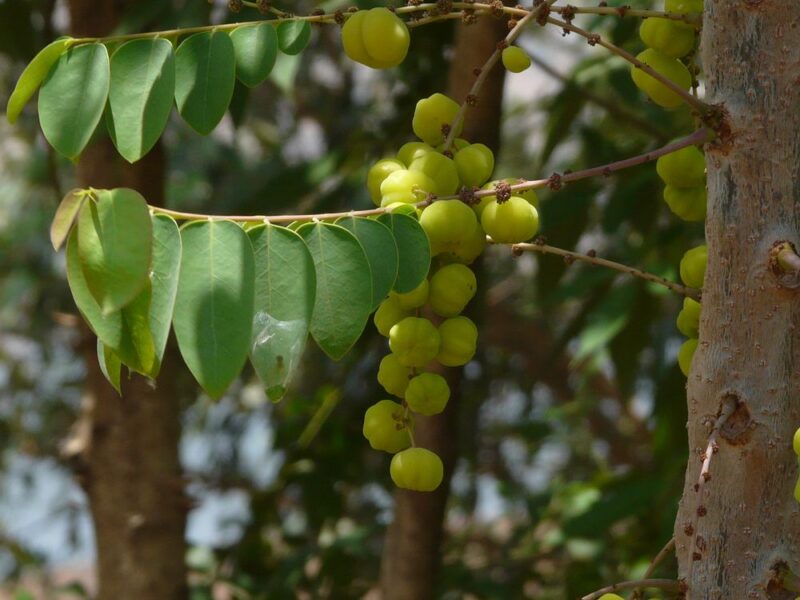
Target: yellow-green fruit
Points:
(376, 38)
(458, 144)
(448, 225)
(377, 173)
(431, 114)
(515, 59)
(393, 376)
(427, 394)
(513, 221)
(459, 338)
(411, 151)
(669, 67)
(669, 36)
(441, 170)
(693, 266)
(683, 6)
(415, 341)
(611, 597)
(529, 195)
(452, 287)
(797, 491)
(402, 208)
(796, 442)
(405, 186)
(413, 299)
(416, 469)
(685, 355)
(687, 203)
(683, 168)
(469, 250)
(689, 318)
(381, 423)
(389, 313)
(475, 164)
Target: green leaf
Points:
(414, 251)
(205, 71)
(141, 94)
(164, 280)
(106, 327)
(115, 243)
(213, 317)
(33, 75)
(256, 49)
(73, 98)
(381, 249)
(344, 287)
(607, 320)
(137, 350)
(285, 287)
(66, 214)
(293, 36)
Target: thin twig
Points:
(609, 264)
(669, 585)
(662, 554)
(727, 409)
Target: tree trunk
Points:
(412, 549)
(738, 535)
(128, 446)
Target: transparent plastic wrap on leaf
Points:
(276, 351)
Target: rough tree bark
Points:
(128, 446)
(737, 537)
(411, 556)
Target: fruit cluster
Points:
(667, 42)
(425, 326)
(693, 271)
(684, 175)
(377, 38)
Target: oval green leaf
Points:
(256, 49)
(285, 287)
(381, 249)
(414, 250)
(115, 244)
(141, 94)
(344, 287)
(213, 317)
(110, 365)
(33, 75)
(164, 280)
(137, 350)
(205, 71)
(73, 97)
(66, 214)
(293, 36)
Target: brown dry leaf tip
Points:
(338, 16)
(496, 7)
(263, 6)
(444, 6)
(502, 191)
(554, 182)
(593, 39)
(235, 5)
(592, 253)
(471, 100)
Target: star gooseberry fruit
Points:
(376, 38)
(448, 224)
(515, 59)
(411, 151)
(459, 338)
(415, 341)
(388, 314)
(688, 321)
(470, 248)
(417, 469)
(403, 185)
(669, 67)
(513, 221)
(683, 168)
(431, 114)
(670, 37)
(393, 376)
(441, 170)
(413, 299)
(378, 173)
(475, 164)
(451, 288)
(693, 266)
(689, 204)
(381, 427)
(529, 195)
(686, 354)
(427, 394)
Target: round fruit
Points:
(459, 338)
(475, 164)
(412, 150)
(529, 195)
(669, 36)
(413, 299)
(513, 221)
(515, 59)
(376, 38)
(683, 168)
(687, 203)
(797, 491)
(389, 313)
(669, 67)
(383, 429)
(796, 442)
(458, 144)
(401, 185)
(452, 287)
(393, 376)
(689, 318)
(693, 266)
(377, 173)
(440, 169)
(401, 208)
(417, 469)
(448, 225)
(469, 250)
(415, 341)
(685, 355)
(427, 394)
(431, 114)
(611, 597)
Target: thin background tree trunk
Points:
(412, 549)
(749, 347)
(128, 449)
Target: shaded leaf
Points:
(414, 251)
(381, 250)
(33, 76)
(164, 280)
(607, 320)
(256, 48)
(293, 36)
(66, 214)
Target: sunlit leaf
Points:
(66, 214)
(33, 76)
(414, 250)
(164, 280)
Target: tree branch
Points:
(662, 554)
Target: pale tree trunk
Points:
(412, 549)
(127, 447)
(737, 536)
